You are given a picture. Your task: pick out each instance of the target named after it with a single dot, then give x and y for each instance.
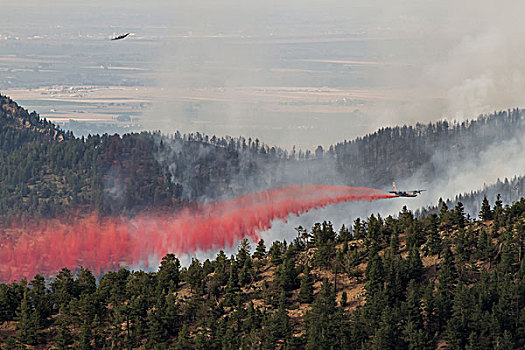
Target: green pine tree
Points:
(260, 250)
(485, 213)
(63, 338)
(306, 291)
(26, 330)
(169, 271)
(85, 337)
(414, 264)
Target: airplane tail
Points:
(394, 186)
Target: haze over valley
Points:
(300, 74)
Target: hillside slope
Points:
(18, 126)
(47, 171)
(389, 283)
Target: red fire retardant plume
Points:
(108, 243)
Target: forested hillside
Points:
(46, 171)
(394, 153)
(438, 281)
(506, 191)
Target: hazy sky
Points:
(294, 72)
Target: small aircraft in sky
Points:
(121, 36)
(398, 193)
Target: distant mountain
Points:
(401, 152)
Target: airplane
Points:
(122, 36)
(398, 193)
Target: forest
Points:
(46, 171)
(405, 282)
(508, 191)
(400, 152)
(434, 278)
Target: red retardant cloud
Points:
(108, 243)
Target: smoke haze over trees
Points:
(47, 171)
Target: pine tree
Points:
(232, 286)
(485, 213)
(276, 252)
(306, 291)
(247, 273)
(39, 295)
(97, 331)
(260, 251)
(445, 288)
(344, 234)
(414, 264)
(505, 342)
(485, 247)
(63, 338)
(374, 274)
(459, 215)
(320, 322)
(288, 273)
(458, 326)
(183, 340)
(434, 239)
(171, 319)
(8, 302)
(194, 276)
(244, 251)
(221, 263)
(233, 281)
(344, 299)
(429, 307)
(394, 243)
(473, 342)
(281, 320)
(85, 337)
(63, 288)
(25, 326)
(498, 211)
(169, 271)
(386, 335)
(416, 338)
(85, 283)
(207, 267)
(358, 229)
(444, 216)
(156, 330)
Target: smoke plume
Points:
(107, 243)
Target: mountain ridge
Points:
(50, 171)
